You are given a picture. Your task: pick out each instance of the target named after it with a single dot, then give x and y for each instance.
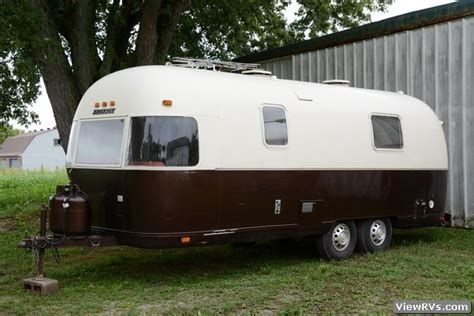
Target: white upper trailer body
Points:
(328, 126)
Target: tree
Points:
(7, 131)
(72, 44)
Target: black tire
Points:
(339, 242)
(374, 234)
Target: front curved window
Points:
(163, 141)
(100, 142)
(72, 138)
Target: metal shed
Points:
(428, 54)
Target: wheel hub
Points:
(378, 232)
(341, 237)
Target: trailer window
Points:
(163, 141)
(100, 142)
(274, 125)
(72, 139)
(387, 132)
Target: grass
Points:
(20, 190)
(284, 277)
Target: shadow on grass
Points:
(198, 264)
(201, 264)
(406, 237)
(409, 238)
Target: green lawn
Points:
(274, 277)
(22, 191)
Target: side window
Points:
(164, 141)
(274, 125)
(387, 132)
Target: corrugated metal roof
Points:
(396, 24)
(16, 145)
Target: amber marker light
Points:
(167, 102)
(104, 104)
(112, 103)
(97, 104)
(185, 239)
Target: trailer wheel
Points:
(339, 242)
(374, 234)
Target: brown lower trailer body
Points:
(163, 209)
(155, 209)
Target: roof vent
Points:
(337, 82)
(259, 72)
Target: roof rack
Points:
(216, 65)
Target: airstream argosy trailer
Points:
(174, 156)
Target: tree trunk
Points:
(56, 72)
(146, 40)
(83, 46)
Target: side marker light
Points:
(185, 239)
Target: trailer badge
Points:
(104, 105)
(103, 111)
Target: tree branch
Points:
(168, 18)
(132, 18)
(120, 22)
(109, 51)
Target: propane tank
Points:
(70, 211)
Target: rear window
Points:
(387, 132)
(100, 142)
(163, 141)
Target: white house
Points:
(34, 150)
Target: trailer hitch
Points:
(38, 244)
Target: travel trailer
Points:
(169, 156)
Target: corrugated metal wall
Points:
(435, 64)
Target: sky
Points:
(42, 105)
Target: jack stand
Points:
(40, 284)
